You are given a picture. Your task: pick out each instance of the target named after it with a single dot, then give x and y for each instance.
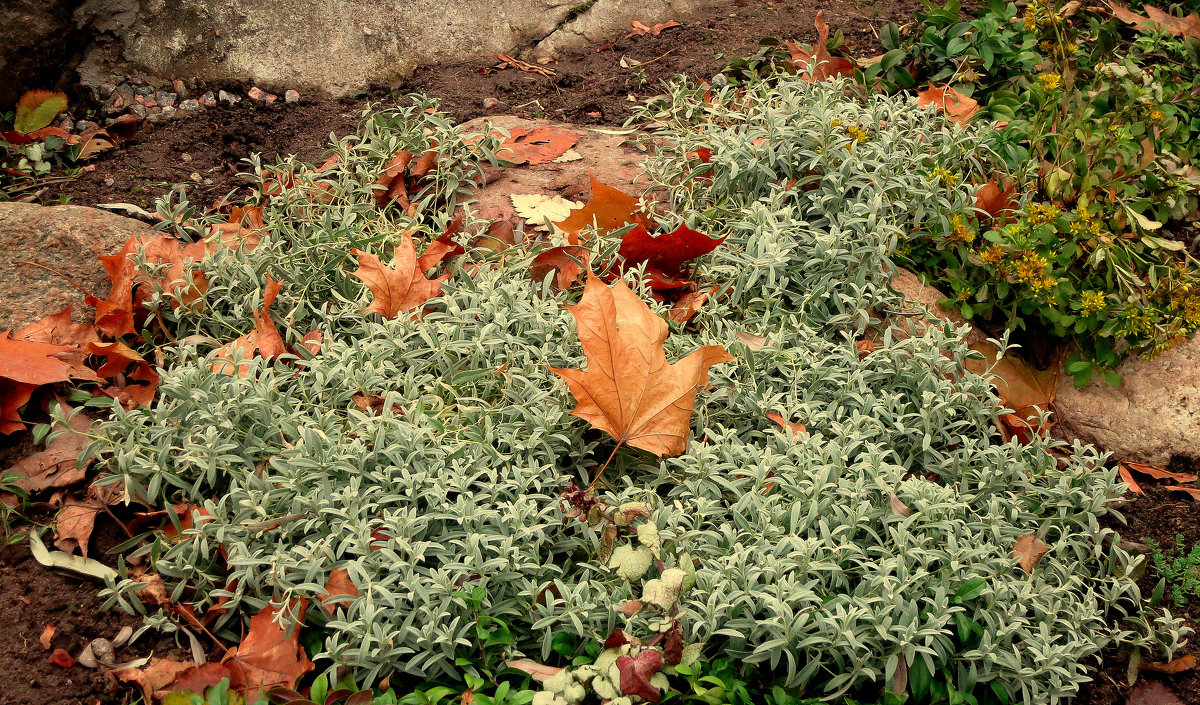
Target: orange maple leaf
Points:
(540, 145)
(609, 209)
(341, 586)
(267, 657)
(956, 105)
(816, 63)
(265, 338)
(629, 389)
(115, 313)
(1156, 19)
(26, 365)
(401, 287)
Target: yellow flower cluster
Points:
(1050, 81)
(1030, 268)
(835, 123)
(856, 133)
(960, 231)
(1092, 302)
(1157, 115)
(947, 177)
(993, 255)
(1043, 213)
(1040, 13)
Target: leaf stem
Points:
(70, 281)
(605, 466)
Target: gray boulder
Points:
(70, 239)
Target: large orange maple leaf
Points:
(401, 287)
(629, 389)
(269, 656)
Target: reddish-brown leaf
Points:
(629, 389)
(264, 340)
(1184, 663)
(61, 658)
(26, 365)
(1020, 387)
(673, 648)
(374, 403)
(400, 288)
(630, 607)
(267, 657)
(1160, 474)
(996, 203)
(56, 465)
(690, 304)
(439, 250)
(636, 673)
(339, 583)
(566, 262)
(1127, 478)
(115, 314)
(119, 357)
(826, 66)
(47, 636)
(1193, 491)
(641, 30)
(199, 679)
(74, 524)
(158, 674)
(1156, 19)
(58, 329)
(956, 105)
(664, 256)
(540, 672)
(795, 427)
(608, 209)
(1028, 551)
(542, 144)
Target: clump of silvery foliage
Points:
(804, 565)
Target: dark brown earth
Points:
(588, 88)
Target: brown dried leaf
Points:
(1184, 663)
(1155, 19)
(629, 389)
(956, 105)
(401, 287)
(269, 656)
(339, 583)
(1028, 551)
(74, 524)
(795, 427)
(540, 672)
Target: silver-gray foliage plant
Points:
(819, 580)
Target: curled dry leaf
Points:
(402, 287)
(158, 674)
(1193, 491)
(795, 427)
(339, 583)
(182, 281)
(997, 204)
(663, 256)
(1184, 663)
(898, 506)
(540, 672)
(629, 389)
(636, 673)
(57, 465)
(1028, 551)
(269, 656)
(26, 365)
(1155, 20)
(630, 607)
(264, 340)
(641, 30)
(542, 144)
(690, 304)
(567, 263)
(119, 358)
(955, 105)
(74, 524)
(816, 63)
(1159, 473)
(61, 658)
(1127, 478)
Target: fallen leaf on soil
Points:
(1127, 478)
(37, 109)
(74, 523)
(507, 61)
(540, 672)
(1156, 19)
(339, 583)
(641, 30)
(401, 287)
(664, 256)
(690, 304)
(956, 105)
(636, 673)
(567, 263)
(1150, 692)
(608, 209)
(61, 659)
(1021, 388)
(158, 674)
(540, 145)
(629, 389)
(26, 365)
(795, 427)
(1028, 551)
(47, 636)
(1160, 474)
(244, 229)
(264, 340)
(1193, 491)
(56, 465)
(826, 66)
(1184, 663)
(267, 657)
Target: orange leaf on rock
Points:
(58, 329)
(540, 145)
(826, 66)
(115, 313)
(26, 365)
(608, 209)
(629, 389)
(1028, 551)
(1156, 19)
(956, 105)
(664, 256)
(1021, 388)
(1160, 474)
(339, 583)
(399, 288)
(269, 656)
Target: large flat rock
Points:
(69, 239)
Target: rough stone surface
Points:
(70, 239)
(32, 51)
(337, 46)
(1153, 416)
(603, 156)
(913, 289)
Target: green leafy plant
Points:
(9, 486)
(1179, 571)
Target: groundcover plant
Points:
(866, 552)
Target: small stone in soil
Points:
(145, 90)
(270, 98)
(106, 89)
(109, 181)
(165, 99)
(291, 96)
(67, 124)
(230, 98)
(191, 104)
(256, 93)
(185, 157)
(196, 177)
(139, 110)
(209, 100)
(180, 88)
(490, 102)
(84, 125)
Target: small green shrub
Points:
(448, 511)
(1179, 571)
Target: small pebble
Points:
(270, 98)
(139, 110)
(67, 124)
(168, 111)
(291, 96)
(490, 102)
(191, 104)
(185, 157)
(84, 125)
(145, 90)
(196, 177)
(209, 100)
(208, 182)
(165, 99)
(256, 93)
(106, 89)
(230, 98)
(109, 181)
(180, 87)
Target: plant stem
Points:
(605, 466)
